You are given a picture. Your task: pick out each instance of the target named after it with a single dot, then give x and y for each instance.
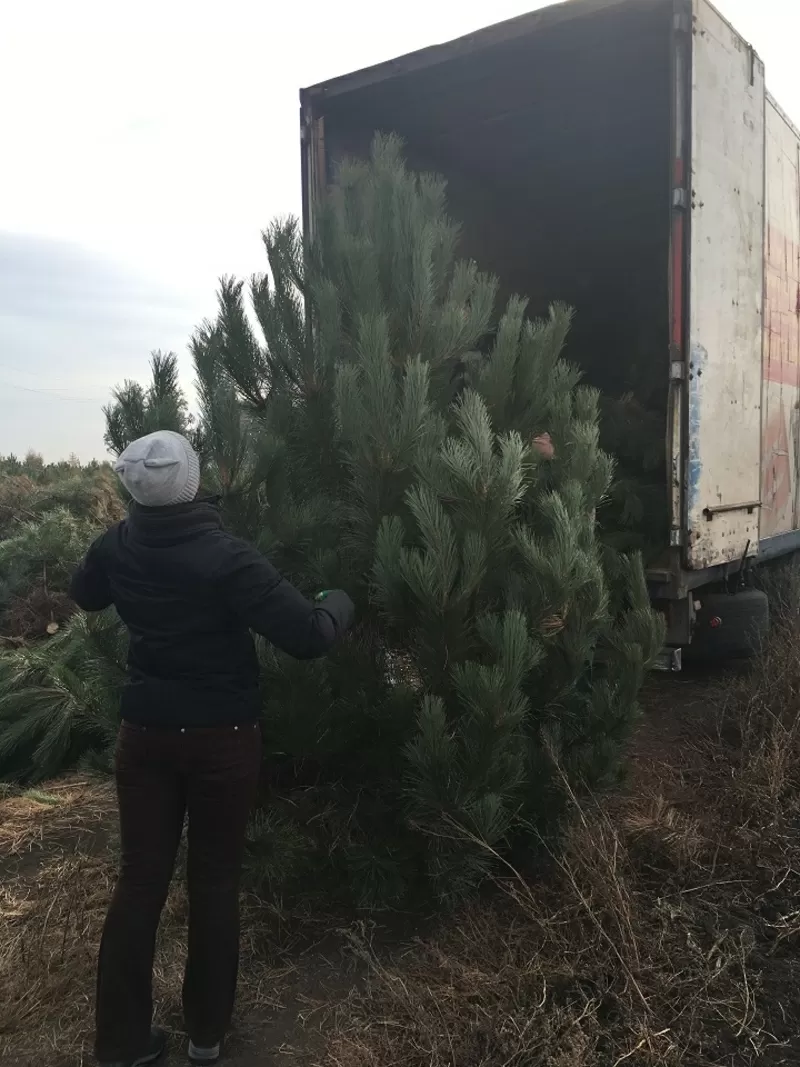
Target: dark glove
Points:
(339, 606)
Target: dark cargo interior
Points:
(556, 147)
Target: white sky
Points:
(144, 146)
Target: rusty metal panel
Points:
(781, 389)
(723, 465)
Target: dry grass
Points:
(666, 933)
(74, 810)
(585, 973)
(57, 869)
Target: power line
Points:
(53, 394)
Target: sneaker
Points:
(202, 1057)
(155, 1050)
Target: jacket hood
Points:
(173, 525)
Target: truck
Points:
(625, 157)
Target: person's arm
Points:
(255, 591)
(90, 587)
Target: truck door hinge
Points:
(680, 198)
(676, 538)
(682, 22)
(677, 370)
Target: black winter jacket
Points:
(189, 594)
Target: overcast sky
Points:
(144, 146)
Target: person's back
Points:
(189, 595)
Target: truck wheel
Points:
(730, 625)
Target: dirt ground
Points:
(347, 991)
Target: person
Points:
(189, 743)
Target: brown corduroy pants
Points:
(163, 775)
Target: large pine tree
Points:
(374, 425)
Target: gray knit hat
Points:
(160, 469)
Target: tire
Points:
(730, 625)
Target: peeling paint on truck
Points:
(723, 473)
(694, 470)
(780, 512)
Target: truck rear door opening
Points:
(556, 148)
(610, 154)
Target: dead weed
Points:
(666, 935)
